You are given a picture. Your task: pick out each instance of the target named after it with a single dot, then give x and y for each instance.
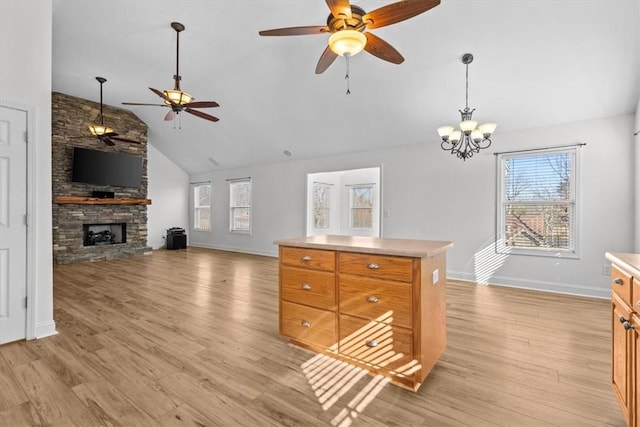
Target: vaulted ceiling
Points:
(537, 63)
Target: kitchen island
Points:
(379, 304)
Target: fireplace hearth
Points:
(104, 234)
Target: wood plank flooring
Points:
(190, 338)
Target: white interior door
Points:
(13, 224)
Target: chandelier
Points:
(471, 138)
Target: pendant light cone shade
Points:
(487, 128)
(347, 42)
(445, 131)
(99, 130)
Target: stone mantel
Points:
(75, 200)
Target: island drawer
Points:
(310, 325)
(383, 267)
(621, 285)
(309, 287)
(375, 298)
(316, 259)
(375, 343)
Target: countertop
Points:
(371, 245)
(627, 261)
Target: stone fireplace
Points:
(118, 226)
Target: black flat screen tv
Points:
(104, 168)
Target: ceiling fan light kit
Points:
(471, 138)
(347, 42)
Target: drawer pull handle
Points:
(305, 287)
(617, 281)
(372, 298)
(621, 319)
(306, 258)
(373, 266)
(372, 343)
(627, 326)
(305, 324)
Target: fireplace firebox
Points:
(104, 234)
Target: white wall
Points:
(25, 82)
(169, 194)
(637, 180)
(433, 195)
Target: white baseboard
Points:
(232, 249)
(46, 329)
(538, 285)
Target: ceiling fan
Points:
(347, 24)
(105, 133)
(175, 98)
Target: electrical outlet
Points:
(606, 270)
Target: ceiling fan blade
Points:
(327, 58)
(170, 115)
(202, 104)
(139, 103)
(340, 8)
(108, 141)
(383, 50)
(296, 31)
(125, 140)
(201, 114)
(397, 12)
(161, 95)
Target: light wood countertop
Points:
(372, 245)
(628, 261)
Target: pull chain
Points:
(346, 55)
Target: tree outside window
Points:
(202, 207)
(240, 205)
(362, 206)
(537, 212)
(321, 197)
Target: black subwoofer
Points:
(176, 239)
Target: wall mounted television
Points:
(105, 168)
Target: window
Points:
(240, 205)
(321, 197)
(361, 202)
(537, 203)
(202, 207)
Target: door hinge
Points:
(26, 136)
(26, 220)
(26, 302)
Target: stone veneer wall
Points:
(71, 117)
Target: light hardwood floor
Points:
(190, 338)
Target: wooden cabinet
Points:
(625, 334)
(375, 303)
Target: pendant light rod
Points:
(179, 28)
(101, 80)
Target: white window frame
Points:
(232, 207)
(197, 208)
(351, 207)
(573, 203)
